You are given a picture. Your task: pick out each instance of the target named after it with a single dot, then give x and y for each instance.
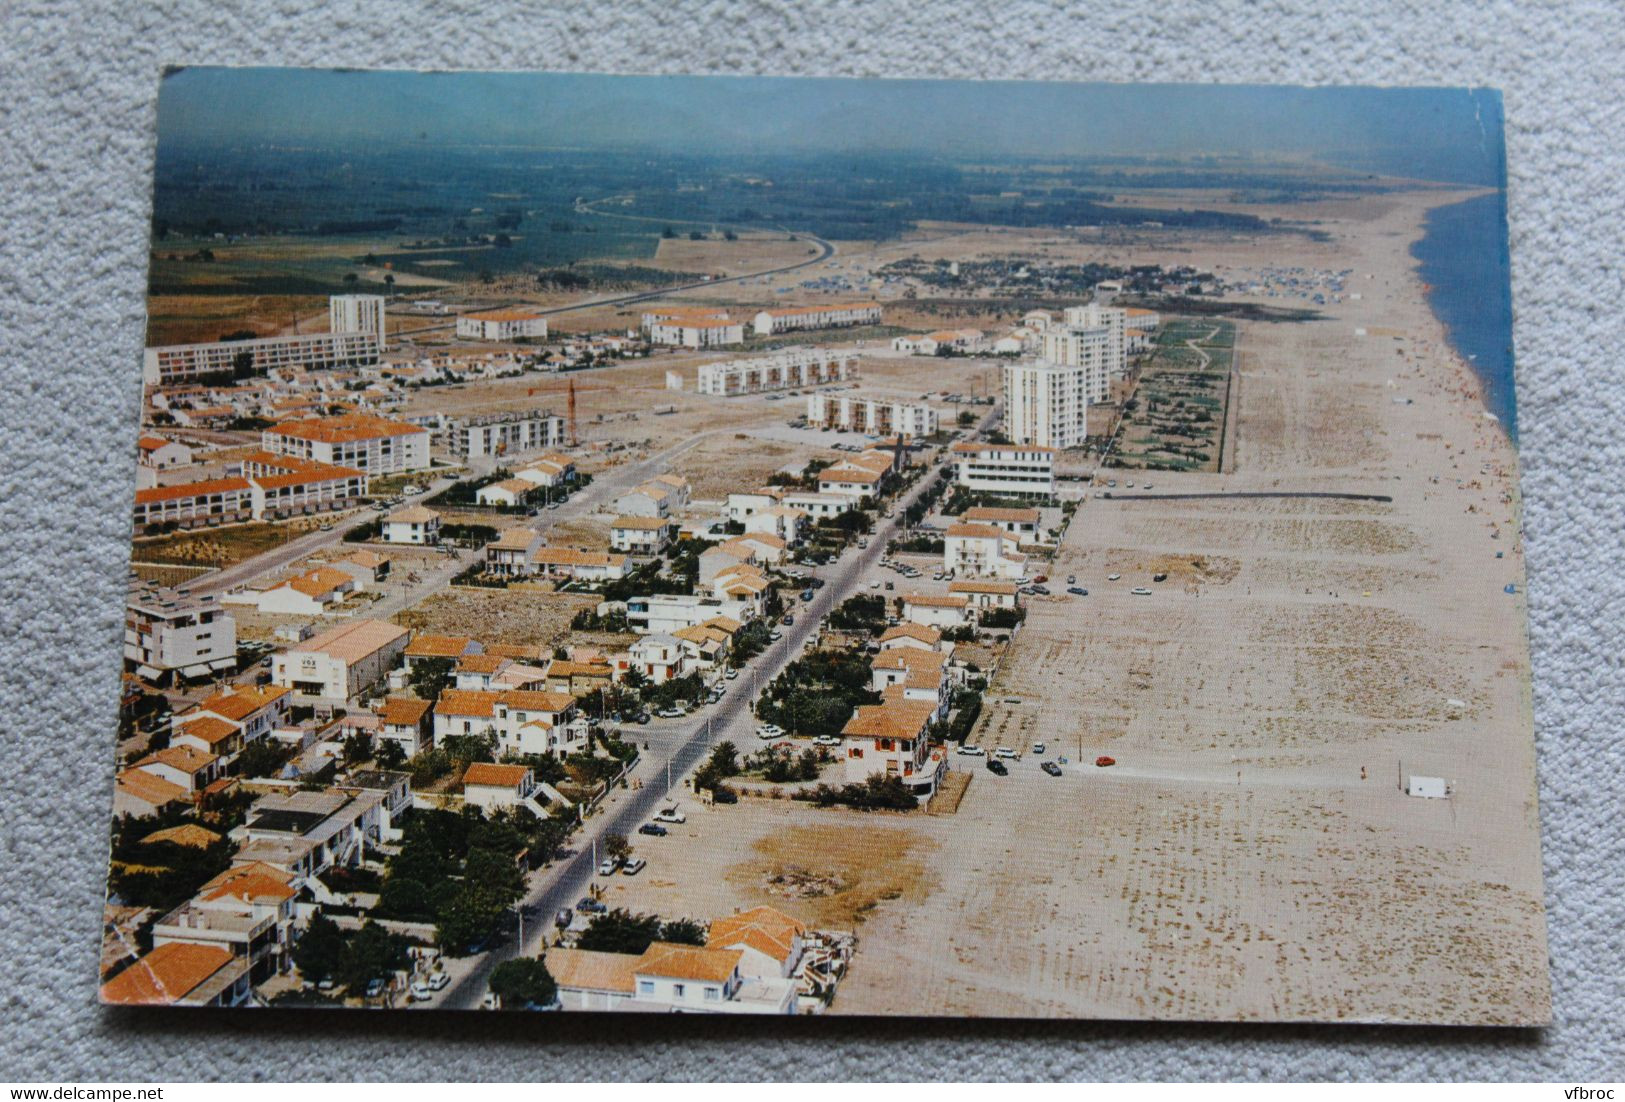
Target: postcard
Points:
(802, 546)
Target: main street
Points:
(679, 750)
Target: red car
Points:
(1041, 578)
(1103, 761)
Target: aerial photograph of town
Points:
(798, 546)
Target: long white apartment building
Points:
(168, 631)
(493, 434)
(502, 325)
(167, 365)
(793, 367)
(1022, 470)
(375, 445)
(358, 314)
(830, 316)
(697, 328)
(875, 416)
(1046, 404)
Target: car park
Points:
(652, 830)
(997, 767)
(1051, 768)
(634, 866)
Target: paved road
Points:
(562, 884)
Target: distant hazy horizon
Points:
(1448, 135)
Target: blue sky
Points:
(1445, 134)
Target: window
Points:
(712, 994)
(677, 990)
(646, 987)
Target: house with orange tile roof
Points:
(937, 610)
(178, 974)
(454, 647)
(987, 593)
(579, 679)
(1020, 524)
(161, 454)
(140, 793)
(211, 501)
(518, 721)
(309, 594)
(224, 723)
(640, 535)
(852, 480)
(591, 980)
(509, 554)
(891, 740)
(479, 671)
(917, 675)
(413, 524)
(186, 766)
(919, 636)
(406, 722)
(769, 941)
(497, 787)
(582, 565)
(248, 910)
(981, 550)
(316, 488)
(699, 328)
(834, 315)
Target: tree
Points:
(351, 279)
(431, 676)
(261, 758)
(319, 952)
(725, 758)
(371, 953)
(617, 847)
(524, 981)
(390, 755)
(620, 931)
(683, 931)
(389, 280)
(357, 748)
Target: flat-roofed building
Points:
(874, 416)
(507, 433)
(339, 663)
(835, 315)
(167, 365)
(375, 445)
(1047, 404)
(1011, 469)
(358, 314)
(510, 324)
(168, 631)
(790, 367)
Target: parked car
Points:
(1113, 577)
(971, 751)
(731, 674)
(642, 717)
(591, 906)
(1160, 576)
(775, 635)
(420, 992)
(1105, 761)
(789, 621)
(1051, 768)
(807, 595)
(997, 767)
(826, 740)
(890, 586)
(670, 713)
(1041, 590)
(1071, 579)
(768, 731)
(670, 815)
(875, 584)
(490, 1001)
(375, 987)
(607, 866)
(438, 981)
(1004, 752)
(1140, 591)
(1039, 747)
(634, 866)
(1042, 578)
(1077, 591)
(652, 830)
(564, 918)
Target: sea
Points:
(1463, 254)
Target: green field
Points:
(1174, 421)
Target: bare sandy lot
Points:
(1251, 854)
(518, 616)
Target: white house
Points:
(497, 787)
(640, 535)
(659, 657)
(891, 739)
(521, 721)
(770, 942)
(550, 471)
(509, 491)
(584, 566)
(785, 525)
(833, 315)
(984, 594)
(161, 454)
(972, 550)
(665, 613)
(413, 524)
(502, 325)
(405, 721)
(169, 632)
(936, 610)
(342, 661)
(1020, 524)
(310, 594)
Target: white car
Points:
(875, 584)
(420, 992)
(971, 751)
(731, 674)
(607, 866)
(768, 731)
(775, 635)
(1140, 591)
(670, 815)
(1004, 752)
(634, 866)
(826, 740)
(1113, 577)
(438, 981)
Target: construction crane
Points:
(569, 385)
